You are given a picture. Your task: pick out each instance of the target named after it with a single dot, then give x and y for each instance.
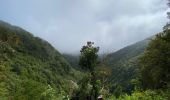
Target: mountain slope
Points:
(124, 65)
(30, 66)
(73, 60)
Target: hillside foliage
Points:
(30, 68)
(155, 63)
(124, 66)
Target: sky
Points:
(69, 24)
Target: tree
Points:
(155, 63)
(88, 61)
(103, 74)
(167, 26)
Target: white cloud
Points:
(68, 24)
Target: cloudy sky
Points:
(68, 24)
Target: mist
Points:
(69, 24)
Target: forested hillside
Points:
(135, 72)
(141, 71)
(30, 68)
(124, 65)
(73, 60)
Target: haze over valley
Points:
(84, 50)
(111, 24)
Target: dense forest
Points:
(32, 69)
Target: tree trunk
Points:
(94, 92)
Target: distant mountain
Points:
(73, 60)
(30, 68)
(124, 64)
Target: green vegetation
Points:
(152, 73)
(155, 63)
(144, 95)
(31, 69)
(88, 62)
(124, 65)
(73, 60)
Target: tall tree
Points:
(155, 63)
(167, 26)
(88, 61)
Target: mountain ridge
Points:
(29, 62)
(124, 64)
